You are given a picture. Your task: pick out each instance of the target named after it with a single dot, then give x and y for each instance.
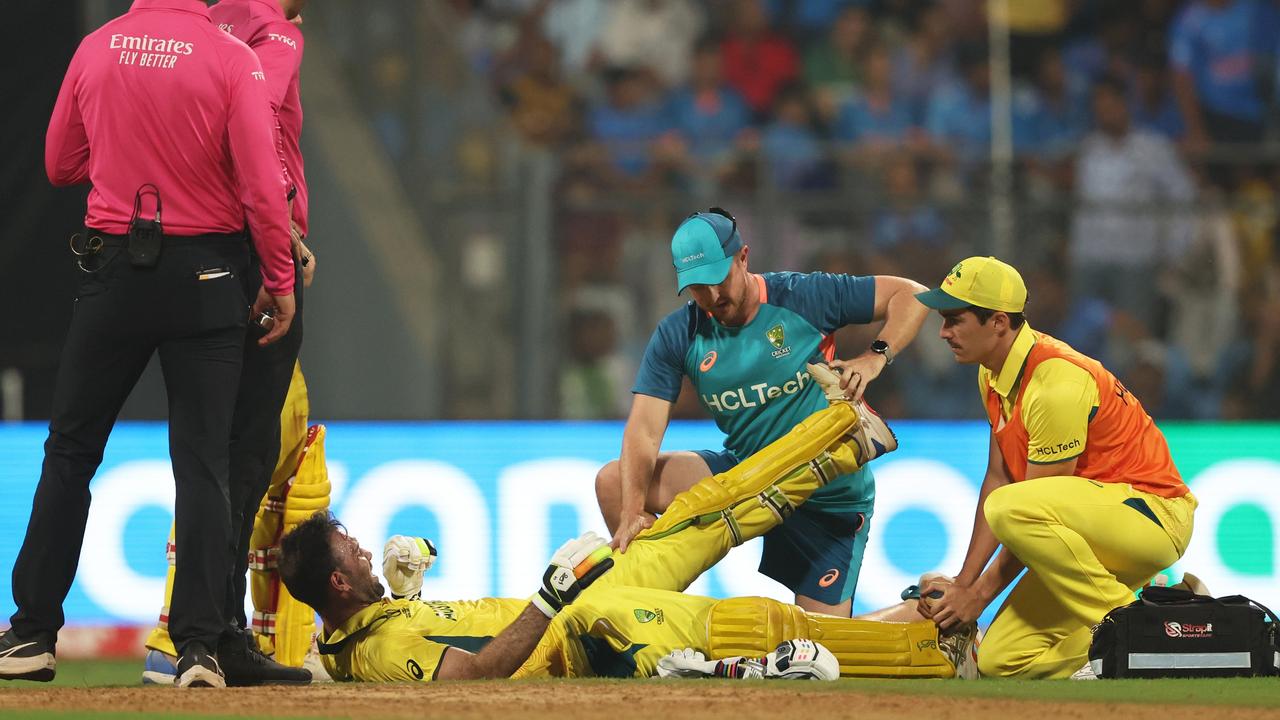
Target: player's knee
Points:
(998, 510)
(1013, 506)
(609, 486)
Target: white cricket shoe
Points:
(874, 437)
(961, 648)
(1088, 672)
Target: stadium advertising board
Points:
(498, 497)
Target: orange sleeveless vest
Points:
(1123, 443)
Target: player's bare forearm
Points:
(503, 655)
(962, 604)
(641, 439)
(903, 315)
(1002, 571)
(983, 543)
(976, 585)
(896, 305)
(636, 467)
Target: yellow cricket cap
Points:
(984, 282)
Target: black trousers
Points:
(255, 435)
(193, 310)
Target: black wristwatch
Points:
(882, 348)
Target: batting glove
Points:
(573, 568)
(792, 660)
(404, 560)
(802, 660)
(686, 663)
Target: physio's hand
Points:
(404, 561)
(857, 373)
(303, 255)
(573, 568)
(281, 307)
(950, 605)
(632, 524)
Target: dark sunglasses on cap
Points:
(716, 210)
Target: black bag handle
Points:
(1156, 595)
(1265, 610)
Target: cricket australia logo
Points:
(648, 616)
(954, 275)
(778, 337)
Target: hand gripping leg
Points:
(718, 513)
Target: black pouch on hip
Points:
(146, 237)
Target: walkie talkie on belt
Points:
(146, 237)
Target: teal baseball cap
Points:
(703, 248)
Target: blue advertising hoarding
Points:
(499, 497)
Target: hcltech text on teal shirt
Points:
(752, 379)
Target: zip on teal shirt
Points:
(752, 379)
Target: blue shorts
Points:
(816, 552)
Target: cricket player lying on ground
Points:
(625, 615)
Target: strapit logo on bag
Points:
(1176, 629)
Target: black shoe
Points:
(245, 665)
(199, 668)
(26, 659)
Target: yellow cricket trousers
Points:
(1088, 546)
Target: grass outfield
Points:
(1257, 694)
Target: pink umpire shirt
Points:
(262, 25)
(160, 95)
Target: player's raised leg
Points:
(723, 511)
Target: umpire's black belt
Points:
(110, 240)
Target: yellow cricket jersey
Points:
(1049, 404)
(403, 640)
(608, 632)
(1058, 400)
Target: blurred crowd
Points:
(855, 136)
